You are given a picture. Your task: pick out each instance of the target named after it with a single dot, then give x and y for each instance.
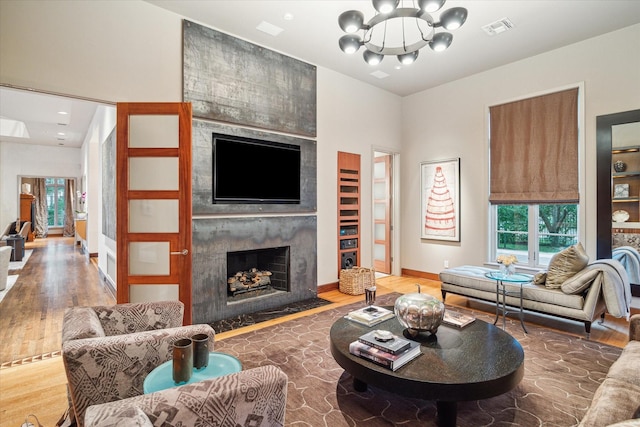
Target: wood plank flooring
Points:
(55, 277)
(58, 276)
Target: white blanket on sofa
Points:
(616, 288)
(630, 260)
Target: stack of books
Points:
(456, 319)
(371, 315)
(385, 349)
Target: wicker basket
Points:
(353, 281)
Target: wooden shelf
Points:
(348, 210)
(630, 177)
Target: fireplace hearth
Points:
(223, 247)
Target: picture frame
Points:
(621, 191)
(440, 200)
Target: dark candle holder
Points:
(182, 360)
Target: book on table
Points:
(459, 320)
(385, 340)
(382, 358)
(370, 316)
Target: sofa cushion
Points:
(579, 282)
(614, 401)
(626, 368)
(80, 323)
(565, 264)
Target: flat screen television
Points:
(248, 170)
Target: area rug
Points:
(562, 373)
(264, 315)
(19, 265)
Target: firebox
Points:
(257, 272)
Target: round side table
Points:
(501, 281)
(220, 364)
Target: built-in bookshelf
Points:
(348, 210)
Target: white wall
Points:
(30, 160)
(451, 121)
(132, 51)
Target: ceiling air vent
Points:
(499, 26)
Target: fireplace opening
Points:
(257, 272)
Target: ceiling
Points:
(312, 36)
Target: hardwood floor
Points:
(55, 277)
(32, 381)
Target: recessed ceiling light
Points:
(288, 16)
(61, 133)
(64, 113)
(268, 28)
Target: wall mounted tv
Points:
(248, 170)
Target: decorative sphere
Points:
(419, 312)
(619, 166)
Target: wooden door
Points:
(382, 213)
(153, 182)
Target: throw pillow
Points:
(81, 322)
(540, 278)
(565, 264)
(579, 282)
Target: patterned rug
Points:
(562, 373)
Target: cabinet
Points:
(348, 210)
(28, 213)
(625, 203)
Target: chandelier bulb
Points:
(385, 6)
(349, 43)
(453, 18)
(372, 58)
(351, 21)
(441, 41)
(408, 58)
(431, 6)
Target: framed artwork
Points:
(621, 191)
(440, 200)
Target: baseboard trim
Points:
(328, 287)
(420, 274)
(106, 281)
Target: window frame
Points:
(492, 240)
(534, 256)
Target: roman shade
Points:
(534, 150)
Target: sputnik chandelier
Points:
(400, 31)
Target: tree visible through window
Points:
(55, 201)
(535, 232)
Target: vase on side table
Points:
(507, 270)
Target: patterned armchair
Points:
(255, 397)
(109, 350)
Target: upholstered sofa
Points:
(108, 351)
(617, 399)
(255, 397)
(601, 286)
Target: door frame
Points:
(395, 211)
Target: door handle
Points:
(182, 252)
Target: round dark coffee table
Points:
(476, 362)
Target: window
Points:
(534, 233)
(55, 201)
(534, 176)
